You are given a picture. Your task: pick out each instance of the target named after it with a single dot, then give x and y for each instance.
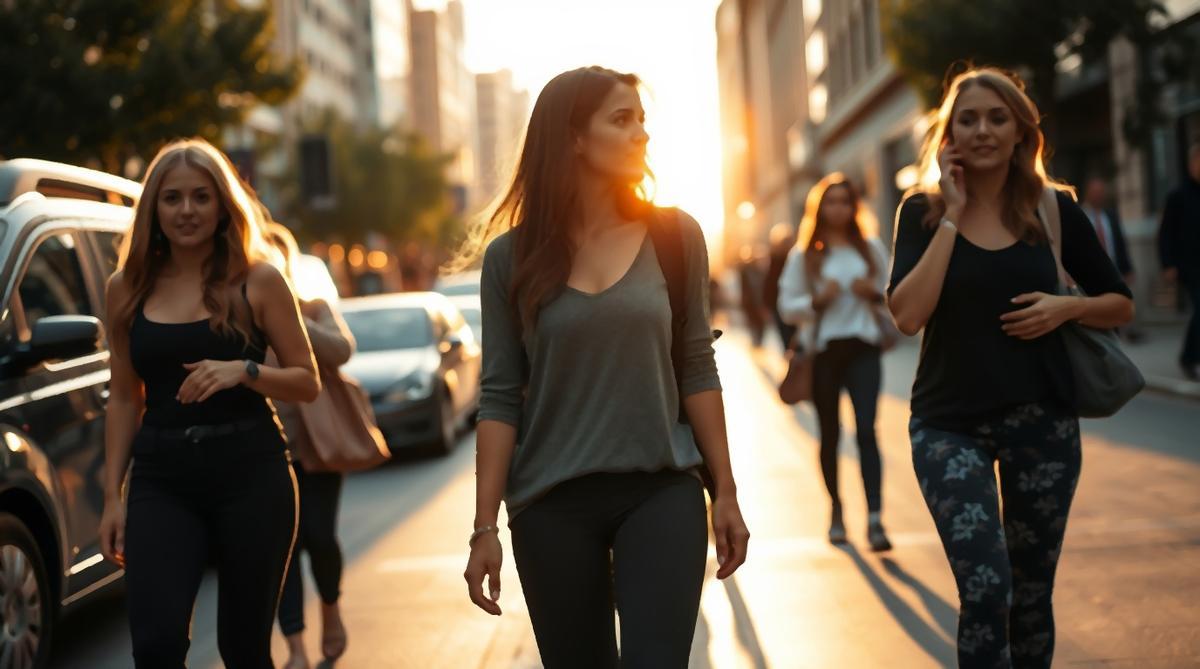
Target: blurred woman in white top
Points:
(832, 285)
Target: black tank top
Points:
(158, 352)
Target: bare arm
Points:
(127, 400)
(706, 413)
(915, 298)
(123, 417)
(494, 445)
(274, 303)
(331, 340)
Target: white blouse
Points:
(848, 316)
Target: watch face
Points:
(252, 369)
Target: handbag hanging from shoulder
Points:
(1105, 378)
(341, 425)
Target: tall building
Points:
(443, 95)
(503, 113)
(389, 19)
(810, 87)
(334, 39)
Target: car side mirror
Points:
(61, 338)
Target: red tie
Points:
(1099, 219)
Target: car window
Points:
(389, 329)
(53, 283)
(459, 289)
(108, 247)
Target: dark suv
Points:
(55, 256)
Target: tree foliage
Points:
(1031, 37)
(107, 80)
(385, 181)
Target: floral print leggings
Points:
(1003, 560)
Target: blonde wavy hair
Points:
(238, 244)
(1027, 177)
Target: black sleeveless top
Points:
(158, 352)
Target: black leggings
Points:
(1003, 555)
(854, 365)
(639, 539)
(231, 500)
(319, 496)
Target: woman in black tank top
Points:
(191, 311)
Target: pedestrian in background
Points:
(782, 239)
(1179, 252)
(1107, 224)
(750, 284)
(192, 309)
(974, 267)
(580, 428)
(832, 284)
(320, 488)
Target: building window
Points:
(870, 14)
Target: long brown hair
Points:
(1027, 176)
(814, 229)
(238, 243)
(541, 206)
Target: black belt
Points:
(199, 433)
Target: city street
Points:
(1124, 594)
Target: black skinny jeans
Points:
(638, 540)
(1002, 543)
(229, 499)
(320, 493)
(854, 365)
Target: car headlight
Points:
(415, 386)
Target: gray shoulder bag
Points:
(1105, 378)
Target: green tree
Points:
(385, 181)
(1030, 36)
(107, 80)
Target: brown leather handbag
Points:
(797, 383)
(342, 435)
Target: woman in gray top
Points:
(581, 428)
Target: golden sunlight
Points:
(671, 46)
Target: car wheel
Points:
(26, 607)
(447, 427)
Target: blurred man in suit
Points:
(1111, 234)
(1179, 251)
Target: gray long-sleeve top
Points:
(601, 393)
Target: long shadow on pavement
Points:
(929, 639)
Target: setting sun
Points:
(672, 49)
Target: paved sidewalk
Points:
(1157, 355)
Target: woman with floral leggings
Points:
(973, 266)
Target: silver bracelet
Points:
(947, 223)
(480, 532)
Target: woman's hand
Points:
(209, 376)
(485, 560)
(953, 183)
(829, 292)
(1044, 313)
(864, 288)
(112, 532)
(731, 534)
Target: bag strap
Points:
(666, 234)
(1051, 219)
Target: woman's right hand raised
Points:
(112, 532)
(485, 560)
(953, 183)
